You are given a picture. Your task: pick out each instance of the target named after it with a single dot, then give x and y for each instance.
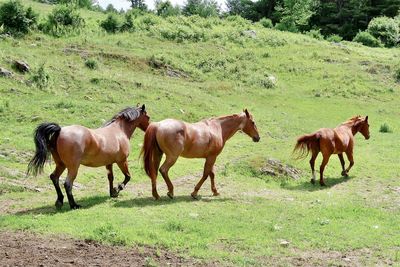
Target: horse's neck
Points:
(230, 125)
(352, 126)
(127, 127)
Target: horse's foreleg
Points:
(350, 158)
(72, 173)
(342, 163)
(110, 176)
(207, 170)
(312, 165)
(322, 168)
(55, 178)
(168, 163)
(125, 170)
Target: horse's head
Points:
(250, 127)
(144, 120)
(363, 127)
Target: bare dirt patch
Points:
(26, 249)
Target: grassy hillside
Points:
(221, 71)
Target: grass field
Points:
(319, 84)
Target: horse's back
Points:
(334, 141)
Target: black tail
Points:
(45, 137)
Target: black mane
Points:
(128, 114)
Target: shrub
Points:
(385, 128)
(397, 74)
(166, 9)
(316, 34)
(334, 38)
(110, 24)
(367, 39)
(15, 19)
(127, 25)
(91, 63)
(40, 78)
(63, 20)
(385, 29)
(266, 23)
(288, 27)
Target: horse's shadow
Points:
(86, 202)
(308, 186)
(149, 201)
(89, 202)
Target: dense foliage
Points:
(15, 19)
(64, 19)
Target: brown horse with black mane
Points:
(332, 141)
(204, 139)
(73, 145)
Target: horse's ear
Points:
(143, 108)
(247, 113)
(366, 118)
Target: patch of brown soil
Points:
(26, 249)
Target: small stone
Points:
(5, 73)
(284, 243)
(22, 66)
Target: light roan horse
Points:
(204, 139)
(332, 141)
(73, 145)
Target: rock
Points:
(22, 66)
(5, 73)
(272, 79)
(250, 33)
(284, 243)
(274, 167)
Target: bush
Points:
(15, 19)
(385, 128)
(397, 74)
(166, 9)
(127, 25)
(110, 24)
(266, 23)
(40, 78)
(367, 39)
(316, 34)
(63, 20)
(334, 38)
(385, 29)
(91, 63)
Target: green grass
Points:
(319, 84)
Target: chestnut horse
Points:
(332, 141)
(204, 139)
(73, 145)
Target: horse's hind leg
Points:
(312, 165)
(168, 163)
(344, 173)
(72, 173)
(349, 155)
(207, 170)
(110, 176)
(213, 188)
(125, 170)
(322, 168)
(55, 178)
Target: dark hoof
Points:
(156, 197)
(59, 204)
(344, 174)
(215, 194)
(312, 181)
(76, 207)
(121, 187)
(322, 184)
(170, 195)
(194, 196)
(114, 192)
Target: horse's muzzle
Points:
(256, 139)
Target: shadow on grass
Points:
(86, 202)
(149, 201)
(308, 186)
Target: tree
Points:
(165, 9)
(295, 14)
(245, 8)
(203, 8)
(138, 4)
(111, 9)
